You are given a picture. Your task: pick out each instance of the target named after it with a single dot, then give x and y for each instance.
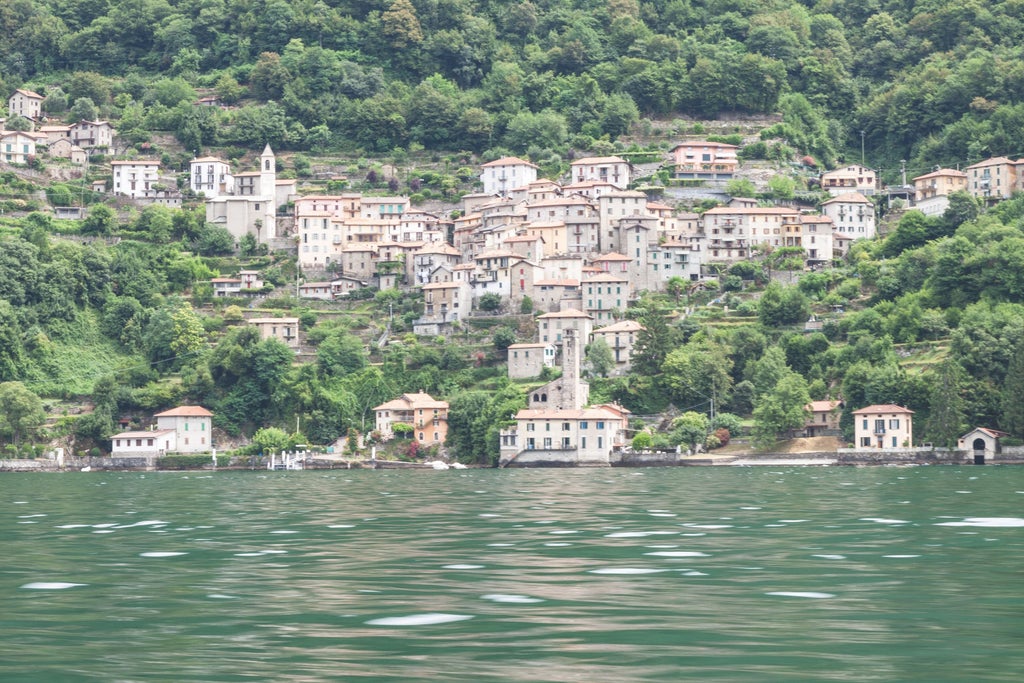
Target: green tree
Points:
(1013, 395)
(689, 429)
(400, 25)
(271, 440)
(341, 354)
(740, 187)
(697, 373)
(781, 411)
(84, 109)
(503, 338)
(490, 302)
(101, 220)
(21, 412)
(946, 416)
(600, 357)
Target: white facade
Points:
(211, 177)
(134, 178)
(505, 174)
(853, 214)
(25, 103)
(602, 169)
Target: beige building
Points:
(529, 360)
(932, 190)
(612, 170)
(17, 147)
(552, 327)
(556, 428)
(705, 160)
(505, 174)
(65, 149)
(854, 178)
(25, 103)
(883, 427)
(426, 415)
(621, 338)
(192, 424)
(285, 330)
(605, 297)
(91, 135)
(822, 417)
(995, 178)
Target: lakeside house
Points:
(427, 416)
(185, 429)
(883, 427)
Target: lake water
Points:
(686, 574)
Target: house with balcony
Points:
(93, 135)
(993, 179)
(284, 330)
(427, 416)
(813, 234)
(135, 177)
(702, 160)
(883, 427)
(612, 170)
(621, 339)
(226, 286)
(932, 190)
(251, 207)
(211, 177)
(853, 178)
(443, 304)
(852, 214)
(503, 175)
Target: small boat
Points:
(86, 469)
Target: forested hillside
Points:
(932, 82)
(115, 313)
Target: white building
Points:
(211, 177)
(603, 169)
(252, 209)
(852, 213)
(133, 178)
(185, 429)
(25, 103)
(505, 174)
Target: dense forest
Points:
(934, 82)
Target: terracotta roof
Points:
(597, 413)
(599, 160)
(884, 408)
(568, 282)
(612, 256)
(188, 411)
(848, 198)
(29, 93)
(413, 402)
(606, 277)
(566, 314)
(822, 406)
(528, 345)
(508, 161)
(704, 143)
(941, 173)
(623, 326)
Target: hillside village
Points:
(578, 251)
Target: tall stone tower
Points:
(574, 393)
(268, 192)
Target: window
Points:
(894, 442)
(565, 427)
(865, 441)
(600, 424)
(894, 424)
(583, 425)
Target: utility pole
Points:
(862, 148)
(903, 172)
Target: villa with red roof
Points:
(427, 416)
(883, 427)
(185, 429)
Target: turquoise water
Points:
(687, 574)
